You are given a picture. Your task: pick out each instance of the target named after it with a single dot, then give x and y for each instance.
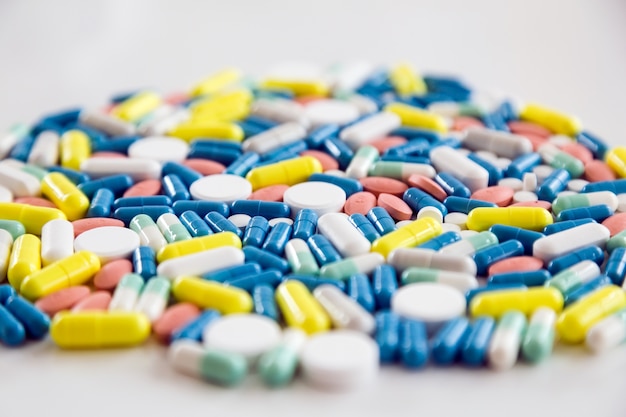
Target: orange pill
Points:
(516, 264)
(497, 194)
(111, 273)
(539, 203)
(97, 301)
(144, 188)
(328, 162)
(395, 206)
(597, 170)
(387, 142)
(615, 223)
(174, 318)
(107, 154)
(82, 225)
(62, 300)
(35, 201)
(578, 151)
(360, 202)
(377, 185)
(522, 128)
(269, 193)
(176, 98)
(204, 166)
(427, 185)
(462, 123)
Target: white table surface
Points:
(570, 55)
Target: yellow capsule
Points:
(32, 217)
(208, 129)
(68, 272)
(496, 303)
(137, 106)
(412, 234)
(300, 309)
(290, 172)
(415, 117)
(405, 80)
(214, 83)
(99, 329)
(552, 120)
(616, 160)
(531, 218)
(198, 244)
(298, 87)
(74, 148)
(220, 112)
(65, 195)
(24, 260)
(573, 324)
(209, 294)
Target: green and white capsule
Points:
(278, 366)
(217, 366)
(126, 293)
(362, 161)
(154, 298)
(470, 245)
(539, 338)
(301, 258)
(453, 109)
(148, 231)
(565, 202)
(556, 158)
(344, 312)
(506, 340)
(607, 333)
(404, 258)
(573, 277)
(401, 170)
(172, 228)
(459, 280)
(345, 268)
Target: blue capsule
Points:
(270, 277)
(174, 188)
(194, 224)
(267, 260)
(63, 117)
(277, 238)
(449, 86)
(250, 129)
(413, 133)
(21, 150)
(152, 200)
(529, 278)
(267, 209)
(317, 137)
(495, 173)
(194, 329)
(244, 163)
(364, 226)
(560, 226)
(288, 151)
(339, 150)
(126, 214)
(255, 232)
(6, 291)
(615, 186)
(348, 185)
(261, 122)
(202, 208)
(218, 223)
(470, 294)
(465, 205)
(474, 349)
(119, 145)
(144, 262)
(615, 266)
(414, 147)
(387, 335)
(526, 237)
(384, 285)
(116, 183)
(215, 152)
(101, 203)
(12, 332)
(382, 221)
(233, 272)
(441, 241)
(586, 289)
(523, 164)
(598, 213)
(484, 258)
(358, 288)
(413, 343)
(553, 184)
(452, 186)
(264, 301)
(447, 342)
(187, 175)
(418, 199)
(597, 147)
(305, 224)
(35, 322)
(75, 176)
(323, 250)
(588, 253)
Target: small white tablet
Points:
(321, 197)
(159, 148)
(240, 220)
(221, 187)
(108, 243)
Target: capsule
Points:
(589, 199)
(267, 260)
(553, 184)
(573, 277)
(539, 338)
(470, 245)
(413, 234)
(588, 253)
(198, 244)
(506, 340)
(489, 256)
(290, 172)
(256, 231)
(116, 183)
(465, 205)
(344, 312)
(459, 280)
(323, 250)
(248, 282)
(447, 343)
(148, 231)
(616, 266)
(75, 147)
(587, 288)
(13, 227)
(413, 343)
(201, 208)
(387, 335)
(65, 195)
(528, 278)
(25, 259)
(174, 188)
(219, 223)
(264, 301)
(194, 224)
(304, 224)
(300, 309)
(532, 218)
(154, 298)
(360, 264)
(476, 343)
(300, 257)
(384, 285)
(101, 203)
(568, 224)
(496, 303)
(35, 322)
(526, 237)
(137, 106)
(607, 333)
(33, 218)
(213, 295)
(144, 262)
(172, 229)
(404, 258)
(416, 117)
(417, 199)
(12, 332)
(194, 329)
(278, 366)
(127, 293)
(277, 238)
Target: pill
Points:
(108, 242)
(277, 366)
(97, 301)
(506, 340)
(173, 318)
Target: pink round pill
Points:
(63, 299)
(377, 185)
(97, 301)
(269, 193)
(172, 319)
(516, 264)
(144, 188)
(82, 225)
(360, 202)
(204, 166)
(111, 273)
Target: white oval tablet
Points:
(249, 335)
(108, 242)
(339, 359)
(240, 220)
(221, 187)
(430, 302)
(321, 197)
(159, 148)
(329, 111)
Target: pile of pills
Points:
(315, 221)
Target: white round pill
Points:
(430, 302)
(513, 183)
(430, 211)
(6, 195)
(249, 335)
(159, 148)
(240, 220)
(275, 221)
(542, 172)
(108, 243)
(339, 359)
(330, 111)
(523, 196)
(221, 187)
(460, 219)
(321, 197)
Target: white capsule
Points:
(162, 120)
(503, 144)
(151, 236)
(447, 159)
(561, 243)
(126, 293)
(343, 235)
(6, 241)
(57, 241)
(21, 183)
(138, 169)
(404, 258)
(506, 341)
(621, 200)
(607, 333)
(45, 150)
(106, 123)
(153, 299)
(281, 111)
(362, 162)
(344, 312)
(401, 170)
(300, 257)
(367, 130)
(274, 138)
(201, 262)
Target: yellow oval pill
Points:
(413, 234)
(530, 218)
(65, 195)
(496, 303)
(137, 106)
(298, 87)
(74, 148)
(24, 260)
(32, 217)
(416, 117)
(216, 82)
(198, 244)
(209, 294)
(300, 309)
(406, 81)
(208, 129)
(552, 120)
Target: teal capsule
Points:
(220, 367)
(126, 293)
(148, 231)
(566, 202)
(472, 244)
(154, 298)
(361, 162)
(301, 258)
(506, 340)
(277, 366)
(539, 338)
(15, 228)
(617, 241)
(462, 281)
(573, 277)
(345, 268)
(172, 229)
(34, 170)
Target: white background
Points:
(569, 55)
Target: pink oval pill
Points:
(35, 201)
(111, 273)
(82, 225)
(176, 98)
(377, 185)
(497, 194)
(461, 123)
(62, 300)
(204, 166)
(539, 203)
(97, 301)
(328, 162)
(615, 223)
(387, 142)
(269, 193)
(516, 264)
(395, 206)
(522, 128)
(174, 318)
(596, 171)
(427, 185)
(107, 154)
(360, 202)
(144, 188)
(578, 151)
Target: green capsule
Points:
(220, 367)
(573, 277)
(35, 171)
(563, 160)
(148, 231)
(389, 169)
(472, 244)
(15, 228)
(172, 228)
(539, 338)
(278, 366)
(301, 258)
(362, 161)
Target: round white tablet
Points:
(221, 187)
(542, 172)
(275, 221)
(249, 335)
(108, 242)
(159, 148)
(431, 302)
(339, 359)
(460, 219)
(240, 220)
(432, 212)
(329, 111)
(523, 196)
(513, 183)
(6, 196)
(321, 197)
